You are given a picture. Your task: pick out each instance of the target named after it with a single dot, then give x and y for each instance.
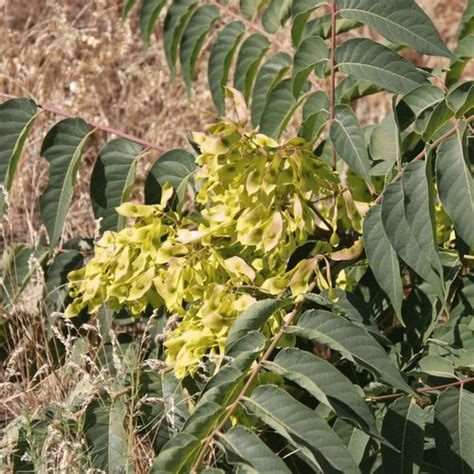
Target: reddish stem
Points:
(97, 126)
(333, 74)
(422, 390)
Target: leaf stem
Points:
(104, 128)
(421, 390)
(290, 317)
(332, 90)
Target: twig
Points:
(423, 153)
(421, 390)
(253, 374)
(97, 126)
(332, 91)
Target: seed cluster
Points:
(255, 207)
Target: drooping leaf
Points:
(322, 380)
(367, 60)
(402, 22)
(16, 118)
(269, 75)
(348, 139)
(276, 14)
(455, 186)
(62, 147)
(175, 21)
(250, 55)
(112, 180)
(106, 435)
(220, 61)
(353, 341)
(193, 39)
(315, 115)
(280, 107)
(404, 427)
(243, 447)
(312, 51)
(301, 11)
(382, 257)
(175, 167)
(403, 237)
(454, 430)
(302, 428)
(149, 12)
(253, 318)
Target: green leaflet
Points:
(16, 118)
(423, 98)
(106, 435)
(220, 61)
(56, 291)
(149, 12)
(385, 143)
(382, 257)
(455, 187)
(350, 89)
(112, 180)
(440, 115)
(315, 115)
(400, 21)
(193, 39)
(177, 455)
(419, 209)
(322, 380)
(175, 167)
(355, 439)
(367, 60)
(348, 138)
(404, 427)
(321, 26)
(253, 318)
(280, 107)
(250, 56)
(312, 51)
(249, 8)
(269, 75)
(62, 147)
(276, 14)
(302, 427)
(301, 11)
(454, 430)
(175, 21)
(461, 98)
(127, 7)
(353, 341)
(404, 239)
(243, 447)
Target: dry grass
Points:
(77, 55)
